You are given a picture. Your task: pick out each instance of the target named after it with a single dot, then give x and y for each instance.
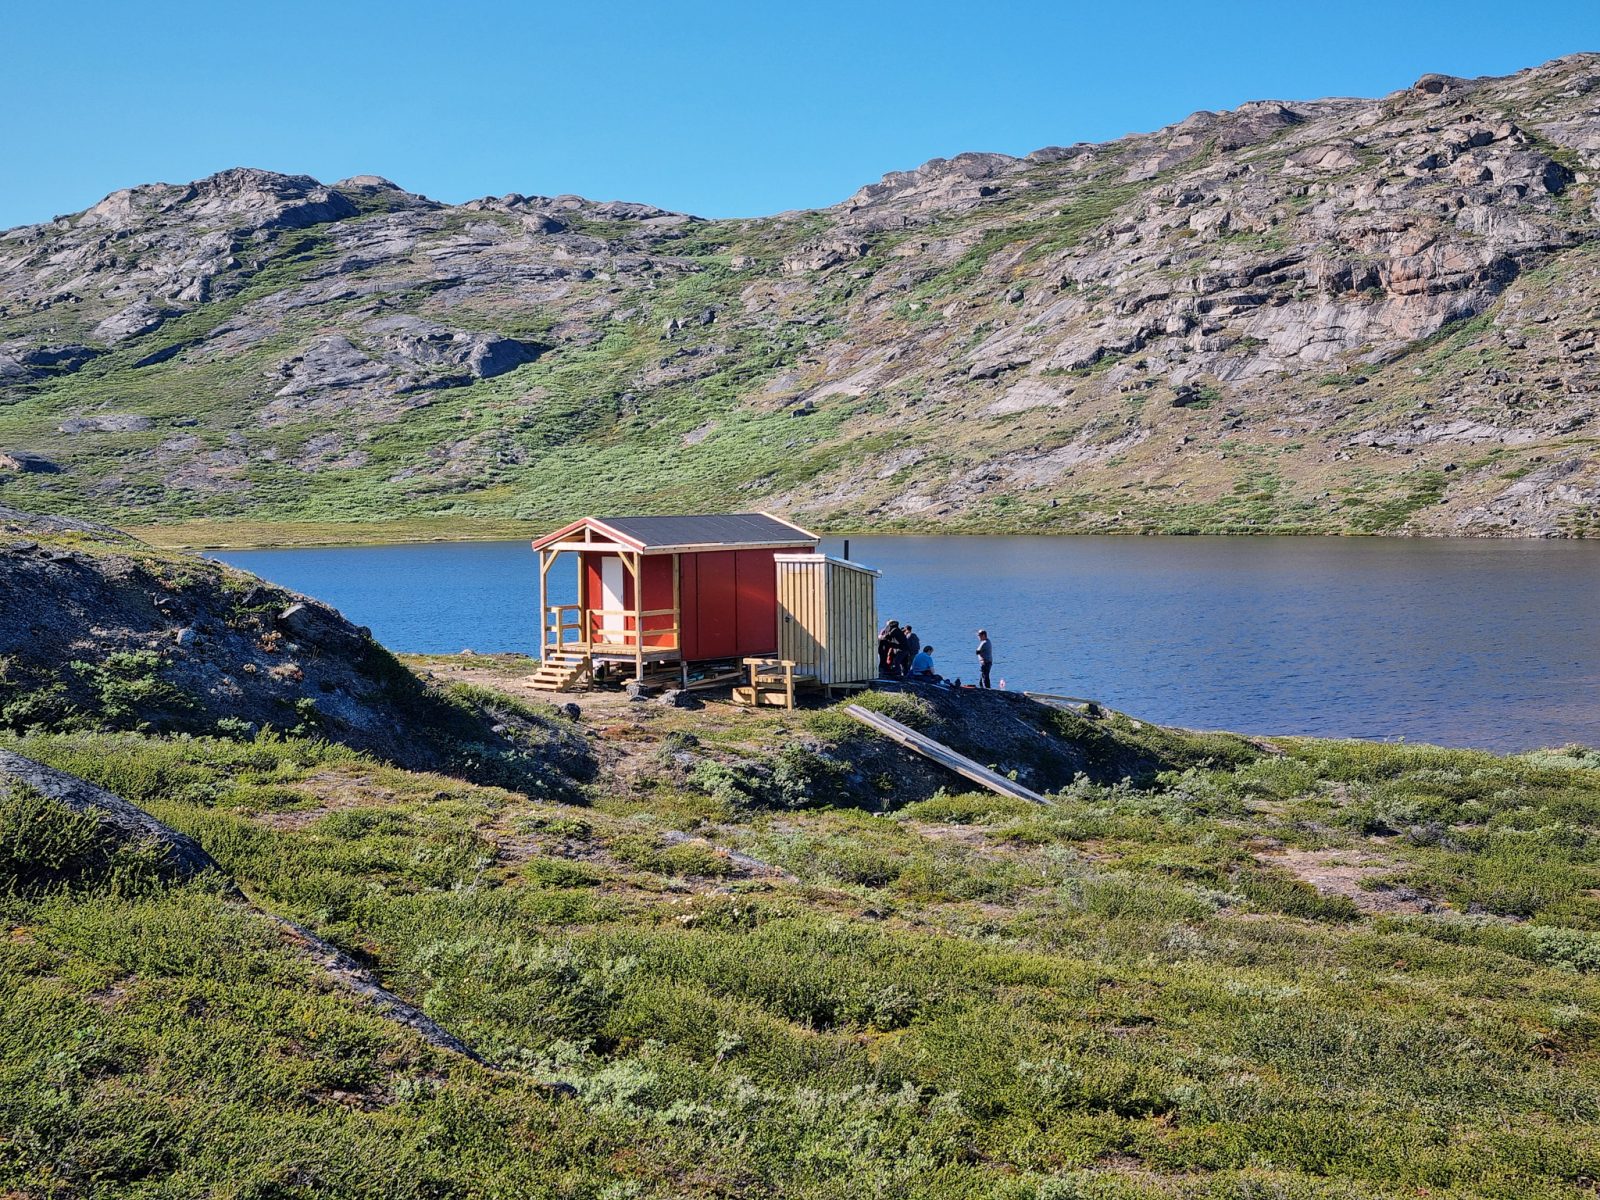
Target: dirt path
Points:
(1345, 873)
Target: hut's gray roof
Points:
(717, 529)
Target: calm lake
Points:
(1461, 642)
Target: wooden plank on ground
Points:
(711, 681)
(1055, 701)
(940, 753)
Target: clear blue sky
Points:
(718, 108)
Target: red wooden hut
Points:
(663, 590)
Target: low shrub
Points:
(968, 808)
(130, 692)
(46, 846)
(1566, 947)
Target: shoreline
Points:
(200, 535)
(506, 669)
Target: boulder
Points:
(492, 355)
(136, 320)
(25, 463)
(1436, 85)
(677, 698)
(40, 362)
(184, 857)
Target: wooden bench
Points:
(772, 683)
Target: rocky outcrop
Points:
(136, 320)
(23, 462)
(120, 821)
(22, 362)
(107, 423)
(413, 341)
(181, 857)
(99, 629)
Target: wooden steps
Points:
(940, 753)
(772, 683)
(766, 697)
(559, 673)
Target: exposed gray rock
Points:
(1538, 504)
(379, 192)
(19, 362)
(491, 355)
(107, 423)
(183, 857)
(139, 318)
(27, 463)
(414, 341)
(330, 363)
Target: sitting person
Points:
(922, 666)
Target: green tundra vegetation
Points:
(1274, 969)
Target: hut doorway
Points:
(613, 598)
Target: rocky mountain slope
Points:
(1345, 315)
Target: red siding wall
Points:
(589, 593)
(729, 600)
(758, 602)
(730, 604)
(657, 594)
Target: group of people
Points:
(901, 655)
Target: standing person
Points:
(908, 652)
(985, 657)
(890, 642)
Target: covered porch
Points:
(611, 623)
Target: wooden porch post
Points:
(638, 617)
(634, 565)
(544, 604)
(677, 620)
(585, 636)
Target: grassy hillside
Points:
(1314, 969)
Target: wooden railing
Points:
(593, 636)
(561, 626)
